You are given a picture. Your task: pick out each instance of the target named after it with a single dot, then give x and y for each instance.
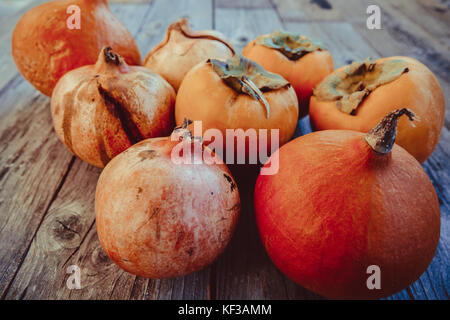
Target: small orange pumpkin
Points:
(357, 96)
(301, 61)
(44, 48)
(183, 48)
(343, 203)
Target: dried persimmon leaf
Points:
(355, 82)
(248, 77)
(293, 46)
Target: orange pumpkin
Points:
(100, 110)
(343, 203)
(357, 96)
(183, 48)
(157, 218)
(238, 94)
(44, 48)
(301, 61)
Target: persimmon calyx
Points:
(381, 138)
(248, 77)
(350, 86)
(293, 46)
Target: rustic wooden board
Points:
(47, 220)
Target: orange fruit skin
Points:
(303, 74)
(335, 208)
(418, 90)
(44, 49)
(204, 96)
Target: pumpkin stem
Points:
(381, 138)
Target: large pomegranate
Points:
(343, 204)
(159, 218)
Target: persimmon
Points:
(238, 94)
(344, 203)
(100, 110)
(157, 218)
(302, 61)
(44, 48)
(357, 96)
(183, 48)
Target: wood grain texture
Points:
(47, 220)
(307, 10)
(243, 4)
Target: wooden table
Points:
(47, 220)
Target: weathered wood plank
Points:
(431, 15)
(9, 8)
(307, 10)
(33, 166)
(242, 25)
(247, 4)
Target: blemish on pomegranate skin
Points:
(190, 251)
(235, 207)
(147, 154)
(154, 213)
(232, 184)
(139, 191)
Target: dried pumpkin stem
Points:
(381, 138)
